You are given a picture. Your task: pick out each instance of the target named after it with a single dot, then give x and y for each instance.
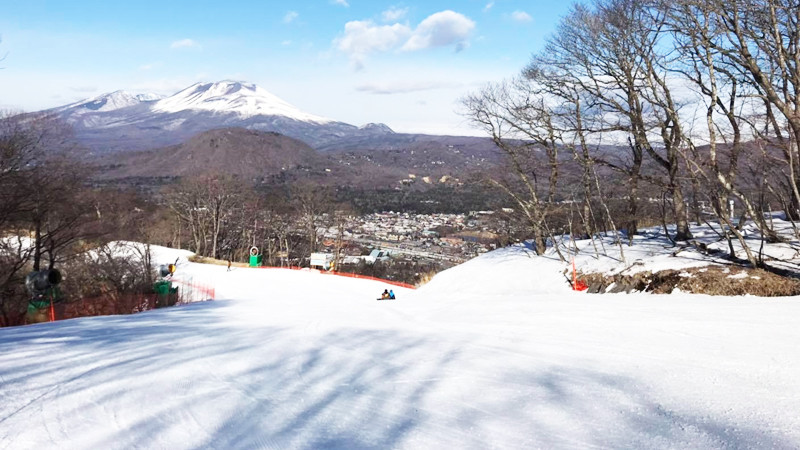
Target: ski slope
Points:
(494, 353)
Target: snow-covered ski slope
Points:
(495, 353)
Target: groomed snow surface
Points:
(495, 353)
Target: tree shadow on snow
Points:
(192, 383)
(568, 407)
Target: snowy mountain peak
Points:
(381, 127)
(245, 99)
(111, 101)
(149, 97)
(106, 102)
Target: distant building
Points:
(377, 255)
(321, 260)
(353, 259)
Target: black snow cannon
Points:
(42, 286)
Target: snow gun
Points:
(42, 285)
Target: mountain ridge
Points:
(120, 121)
(225, 96)
(236, 151)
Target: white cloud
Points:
(439, 30)
(488, 7)
(184, 43)
(406, 86)
(362, 37)
(521, 17)
(394, 14)
(286, 43)
(290, 16)
(341, 2)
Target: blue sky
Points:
(405, 64)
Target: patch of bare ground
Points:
(425, 277)
(710, 280)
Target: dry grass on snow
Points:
(710, 280)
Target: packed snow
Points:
(495, 353)
(653, 251)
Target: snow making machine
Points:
(166, 293)
(42, 285)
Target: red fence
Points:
(189, 291)
(107, 305)
(112, 304)
(193, 291)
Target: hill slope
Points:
(485, 355)
(234, 151)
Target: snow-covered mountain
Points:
(107, 102)
(120, 120)
(245, 99)
(149, 96)
(377, 127)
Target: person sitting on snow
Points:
(385, 294)
(391, 294)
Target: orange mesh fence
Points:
(112, 304)
(106, 305)
(191, 291)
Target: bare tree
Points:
(618, 70)
(46, 206)
(187, 201)
(761, 42)
(311, 203)
(206, 204)
(521, 127)
(610, 52)
(224, 196)
(340, 217)
(706, 36)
